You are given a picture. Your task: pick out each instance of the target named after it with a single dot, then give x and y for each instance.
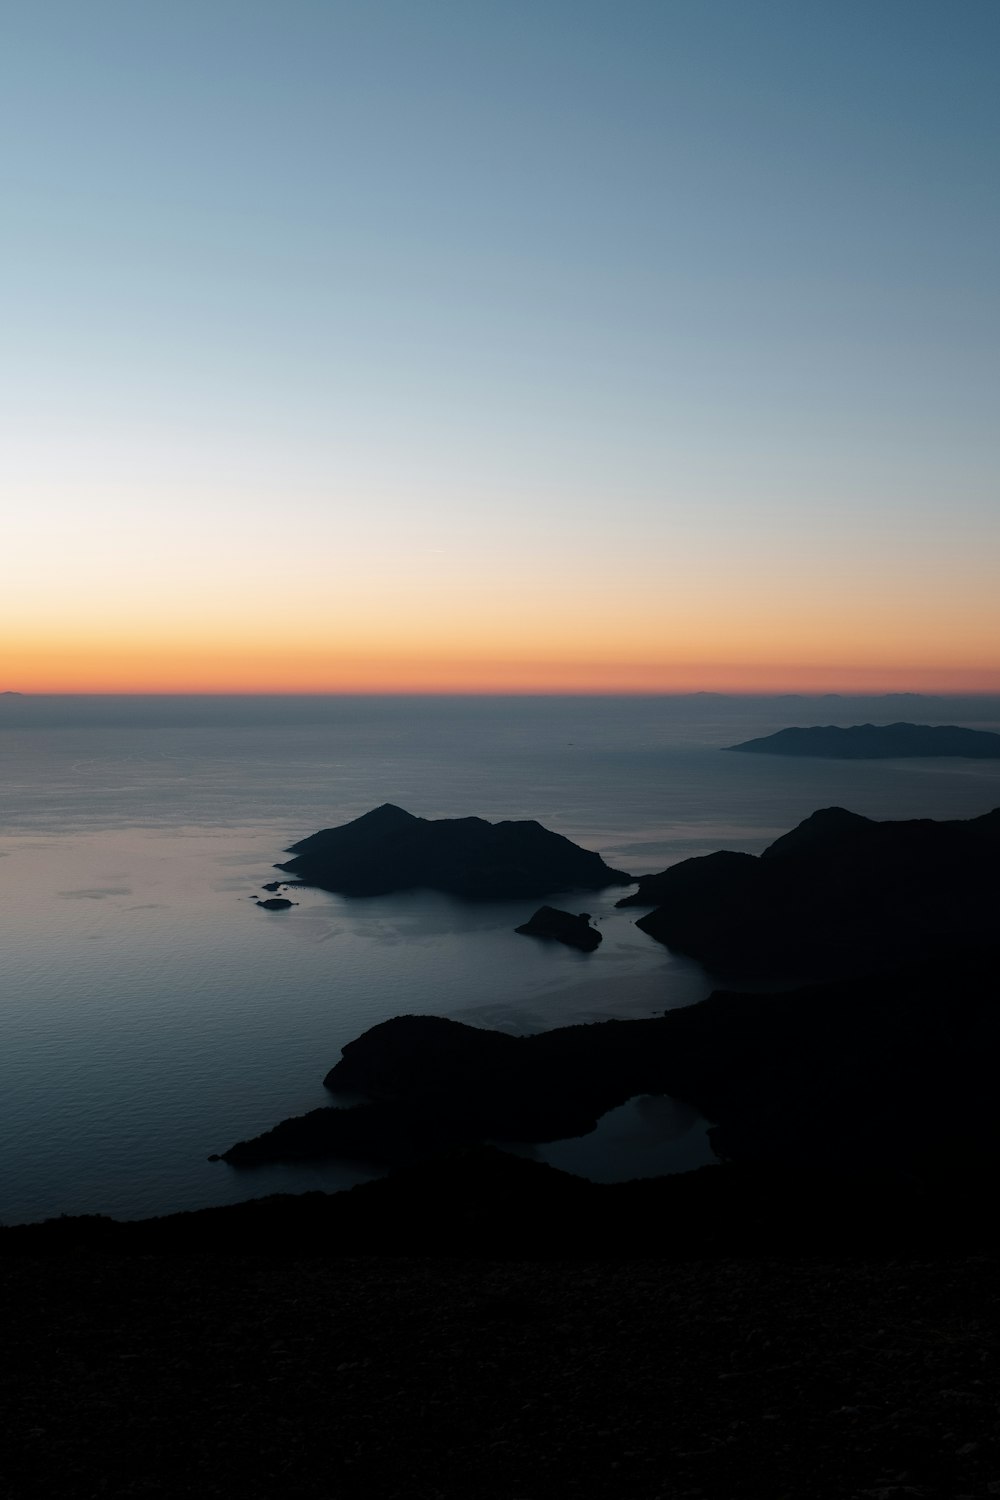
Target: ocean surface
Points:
(152, 1014)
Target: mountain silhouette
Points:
(389, 849)
(877, 742)
(837, 894)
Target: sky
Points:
(499, 345)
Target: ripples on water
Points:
(152, 1014)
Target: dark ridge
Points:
(562, 927)
(481, 1201)
(389, 849)
(838, 894)
(702, 878)
(836, 1076)
(878, 742)
(486, 1328)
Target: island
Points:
(877, 742)
(838, 894)
(389, 849)
(562, 927)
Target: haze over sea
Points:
(152, 1014)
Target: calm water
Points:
(152, 1015)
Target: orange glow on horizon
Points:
(598, 641)
(373, 614)
(273, 670)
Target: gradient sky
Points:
(500, 344)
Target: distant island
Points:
(877, 742)
(389, 849)
(835, 895)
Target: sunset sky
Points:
(488, 345)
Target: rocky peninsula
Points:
(834, 1077)
(838, 894)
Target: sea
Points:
(153, 1014)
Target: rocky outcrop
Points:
(389, 849)
(562, 927)
(877, 742)
(276, 903)
(702, 879)
(838, 894)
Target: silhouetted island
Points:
(562, 927)
(276, 903)
(835, 1076)
(877, 742)
(837, 894)
(389, 850)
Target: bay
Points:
(152, 1014)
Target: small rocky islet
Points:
(553, 925)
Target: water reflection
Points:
(647, 1136)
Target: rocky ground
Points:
(421, 1378)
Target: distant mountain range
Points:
(877, 742)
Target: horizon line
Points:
(509, 693)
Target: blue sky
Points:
(690, 294)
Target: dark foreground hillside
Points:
(420, 1378)
(487, 1327)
